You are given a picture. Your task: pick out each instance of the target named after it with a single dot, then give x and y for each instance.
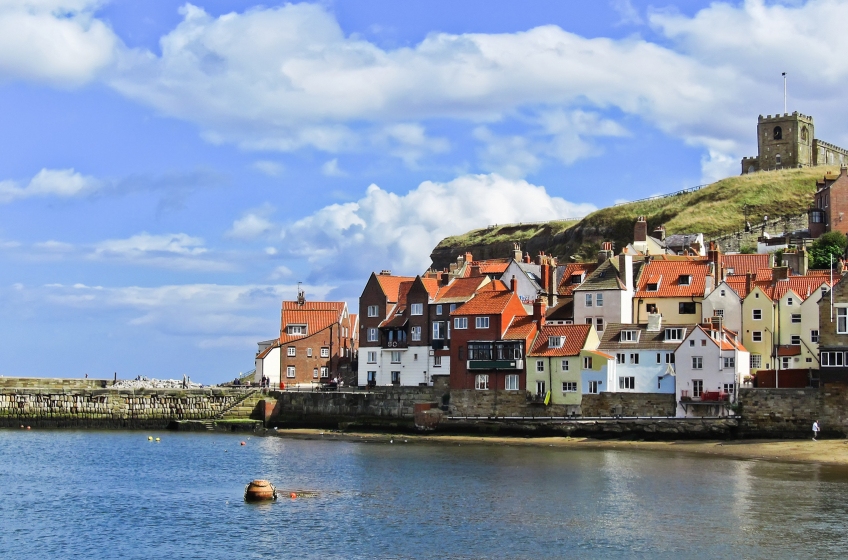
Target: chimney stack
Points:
(516, 252)
(445, 279)
(513, 285)
(605, 253)
(527, 259)
(476, 271)
(749, 283)
(659, 233)
(539, 308)
(625, 270)
(654, 322)
(640, 230)
(779, 273)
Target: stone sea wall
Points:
(106, 408)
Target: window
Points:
(730, 271)
(373, 311)
(314, 373)
(685, 280)
(416, 309)
(629, 336)
(437, 361)
(481, 322)
(729, 363)
(784, 362)
(416, 333)
(669, 357)
(757, 336)
(372, 334)
(511, 382)
(634, 359)
(697, 387)
(460, 323)
(296, 329)
(593, 387)
(556, 341)
(325, 372)
(540, 388)
(564, 365)
(589, 300)
(796, 317)
(842, 320)
(728, 387)
(620, 358)
(814, 336)
(652, 287)
(452, 307)
(395, 356)
(289, 371)
(372, 377)
(627, 383)
(481, 382)
(756, 361)
(395, 378)
(372, 357)
(651, 307)
(796, 340)
(540, 365)
(697, 362)
(325, 352)
(832, 359)
(587, 362)
(599, 300)
(691, 343)
(290, 351)
(673, 335)
(599, 324)
(438, 330)
(569, 386)
(309, 352)
(757, 314)
(686, 308)
(704, 342)
(659, 358)
(789, 301)
(588, 320)
(718, 312)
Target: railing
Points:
(236, 403)
(661, 196)
(705, 397)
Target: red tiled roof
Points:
(391, 285)
(316, 315)
(602, 354)
(486, 302)
(670, 273)
(460, 289)
(742, 264)
(489, 266)
(575, 339)
(566, 288)
(802, 286)
(431, 285)
(521, 328)
(268, 350)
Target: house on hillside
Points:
(833, 334)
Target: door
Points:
(593, 387)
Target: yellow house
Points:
(758, 328)
(554, 363)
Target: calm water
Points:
(115, 495)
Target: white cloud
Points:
(172, 250)
(253, 224)
(55, 41)
(269, 168)
(281, 272)
(626, 12)
(386, 230)
(331, 168)
(63, 183)
(54, 246)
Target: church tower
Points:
(783, 142)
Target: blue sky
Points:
(171, 171)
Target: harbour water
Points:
(87, 494)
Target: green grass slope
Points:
(713, 210)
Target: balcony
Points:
(495, 364)
(705, 397)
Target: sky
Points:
(169, 171)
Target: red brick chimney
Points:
(545, 277)
(476, 271)
(539, 309)
(513, 285)
(749, 283)
(527, 259)
(640, 230)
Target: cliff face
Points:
(714, 210)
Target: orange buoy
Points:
(243, 443)
(293, 495)
(259, 491)
(28, 428)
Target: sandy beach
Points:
(828, 451)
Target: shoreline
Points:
(825, 452)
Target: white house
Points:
(268, 362)
(606, 296)
(723, 302)
(710, 364)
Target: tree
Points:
(831, 243)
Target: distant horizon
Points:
(173, 170)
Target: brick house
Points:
(833, 334)
(829, 211)
(482, 355)
(316, 345)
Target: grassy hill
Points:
(713, 210)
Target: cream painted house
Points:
(554, 364)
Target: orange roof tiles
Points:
(316, 315)
(670, 273)
(742, 264)
(486, 302)
(575, 339)
(391, 284)
(521, 328)
(566, 287)
(461, 289)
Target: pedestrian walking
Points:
(816, 430)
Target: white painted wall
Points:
(726, 299)
(647, 373)
(270, 366)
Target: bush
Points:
(830, 244)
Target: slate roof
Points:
(575, 340)
(605, 277)
(647, 339)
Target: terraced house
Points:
(554, 364)
(674, 287)
(606, 295)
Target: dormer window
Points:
(685, 280)
(556, 341)
(296, 330)
(731, 270)
(629, 336)
(577, 278)
(652, 287)
(674, 334)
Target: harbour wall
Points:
(50, 407)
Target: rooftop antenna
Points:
(784, 93)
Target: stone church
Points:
(787, 141)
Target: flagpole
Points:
(784, 93)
